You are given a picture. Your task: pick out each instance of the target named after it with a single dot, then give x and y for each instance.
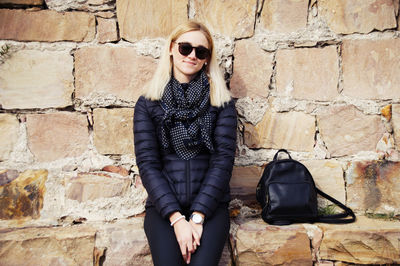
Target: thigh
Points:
(162, 240)
(215, 233)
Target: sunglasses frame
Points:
(198, 50)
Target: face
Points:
(186, 66)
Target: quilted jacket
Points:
(199, 184)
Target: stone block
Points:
(113, 130)
(346, 131)
(292, 131)
(46, 26)
(301, 78)
(284, 16)
(258, 243)
(115, 71)
(116, 169)
(374, 186)
(93, 6)
(252, 70)
(91, 186)
(396, 124)
(126, 243)
(328, 177)
(244, 182)
(367, 241)
(22, 197)
(358, 16)
(23, 2)
(135, 22)
(107, 30)
(59, 135)
(36, 79)
(371, 68)
(9, 127)
(73, 245)
(230, 18)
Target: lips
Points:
(190, 62)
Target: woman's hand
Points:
(185, 236)
(198, 229)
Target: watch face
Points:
(197, 218)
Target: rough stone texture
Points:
(260, 244)
(252, 70)
(293, 131)
(118, 71)
(36, 79)
(113, 130)
(361, 16)
(302, 78)
(126, 243)
(347, 131)
(374, 186)
(328, 176)
(59, 135)
(91, 186)
(244, 182)
(142, 19)
(6, 176)
(284, 16)
(371, 68)
(97, 6)
(23, 2)
(46, 25)
(107, 30)
(23, 196)
(230, 18)
(396, 124)
(116, 169)
(9, 126)
(367, 241)
(72, 245)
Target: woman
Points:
(185, 139)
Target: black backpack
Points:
(287, 194)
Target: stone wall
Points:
(320, 78)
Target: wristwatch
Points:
(197, 218)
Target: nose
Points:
(192, 53)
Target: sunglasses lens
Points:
(185, 48)
(202, 53)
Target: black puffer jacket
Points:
(200, 184)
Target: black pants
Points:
(165, 248)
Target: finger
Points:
(183, 251)
(196, 237)
(188, 258)
(190, 247)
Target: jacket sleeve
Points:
(216, 181)
(148, 160)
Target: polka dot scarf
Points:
(186, 123)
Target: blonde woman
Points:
(185, 139)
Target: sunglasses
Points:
(186, 49)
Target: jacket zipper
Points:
(188, 182)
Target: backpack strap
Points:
(281, 150)
(336, 218)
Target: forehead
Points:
(196, 38)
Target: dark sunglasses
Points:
(186, 48)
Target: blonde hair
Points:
(219, 94)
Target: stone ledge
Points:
(367, 241)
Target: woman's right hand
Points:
(185, 236)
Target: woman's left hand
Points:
(198, 228)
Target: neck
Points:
(182, 78)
